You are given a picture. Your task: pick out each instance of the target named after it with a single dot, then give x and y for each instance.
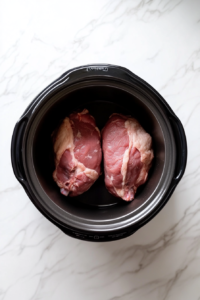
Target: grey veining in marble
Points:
(160, 42)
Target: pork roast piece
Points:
(78, 153)
(128, 154)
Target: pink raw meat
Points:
(128, 155)
(78, 154)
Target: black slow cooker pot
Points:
(103, 89)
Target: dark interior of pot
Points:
(101, 101)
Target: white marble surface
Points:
(158, 40)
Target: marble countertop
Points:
(160, 42)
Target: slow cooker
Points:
(96, 215)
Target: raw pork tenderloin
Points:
(128, 155)
(78, 153)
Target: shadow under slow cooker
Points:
(101, 101)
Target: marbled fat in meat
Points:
(128, 155)
(78, 154)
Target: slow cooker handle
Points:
(16, 151)
(181, 143)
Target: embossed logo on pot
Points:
(104, 69)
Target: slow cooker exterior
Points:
(85, 229)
